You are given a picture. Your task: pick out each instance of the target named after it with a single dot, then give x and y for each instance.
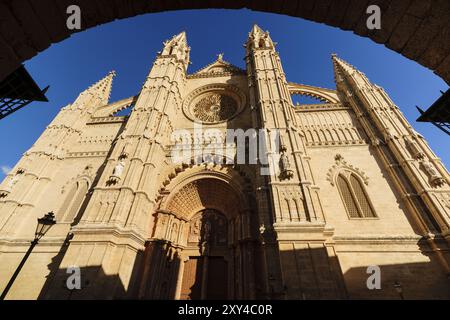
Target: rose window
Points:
(214, 108)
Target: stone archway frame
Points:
(200, 173)
(419, 30)
(234, 181)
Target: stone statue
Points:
(284, 162)
(285, 166)
(206, 231)
(117, 173)
(13, 181)
(435, 177)
(266, 41)
(118, 170)
(414, 149)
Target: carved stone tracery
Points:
(214, 108)
(214, 103)
(342, 165)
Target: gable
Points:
(217, 68)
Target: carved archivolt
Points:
(202, 194)
(184, 171)
(203, 205)
(342, 165)
(189, 189)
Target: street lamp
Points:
(43, 225)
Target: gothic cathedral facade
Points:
(357, 189)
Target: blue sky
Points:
(129, 46)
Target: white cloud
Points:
(5, 169)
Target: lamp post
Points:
(43, 225)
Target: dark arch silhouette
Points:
(417, 29)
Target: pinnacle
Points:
(181, 36)
(256, 29)
(102, 88)
(342, 64)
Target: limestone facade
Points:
(355, 186)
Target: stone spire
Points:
(343, 69)
(96, 95)
(340, 64)
(259, 39)
(177, 46)
(256, 30)
(394, 138)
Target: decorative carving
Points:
(214, 108)
(201, 194)
(87, 174)
(218, 68)
(436, 180)
(292, 206)
(231, 95)
(328, 127)
(208, 227)
(117, 173)
(342, 164)
(119, 169)
(445, 200)
(414, 149)
(125, 151)
(11, 183)
(285, 165)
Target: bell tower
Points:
(23, 189)
(119, 213)
(294, 215)
(418, 173)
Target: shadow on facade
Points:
(308, 274)
(415, 280)
(95, 283)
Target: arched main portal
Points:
(208, 258)
(204, 241)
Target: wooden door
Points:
(191, 288)
(217, 287)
